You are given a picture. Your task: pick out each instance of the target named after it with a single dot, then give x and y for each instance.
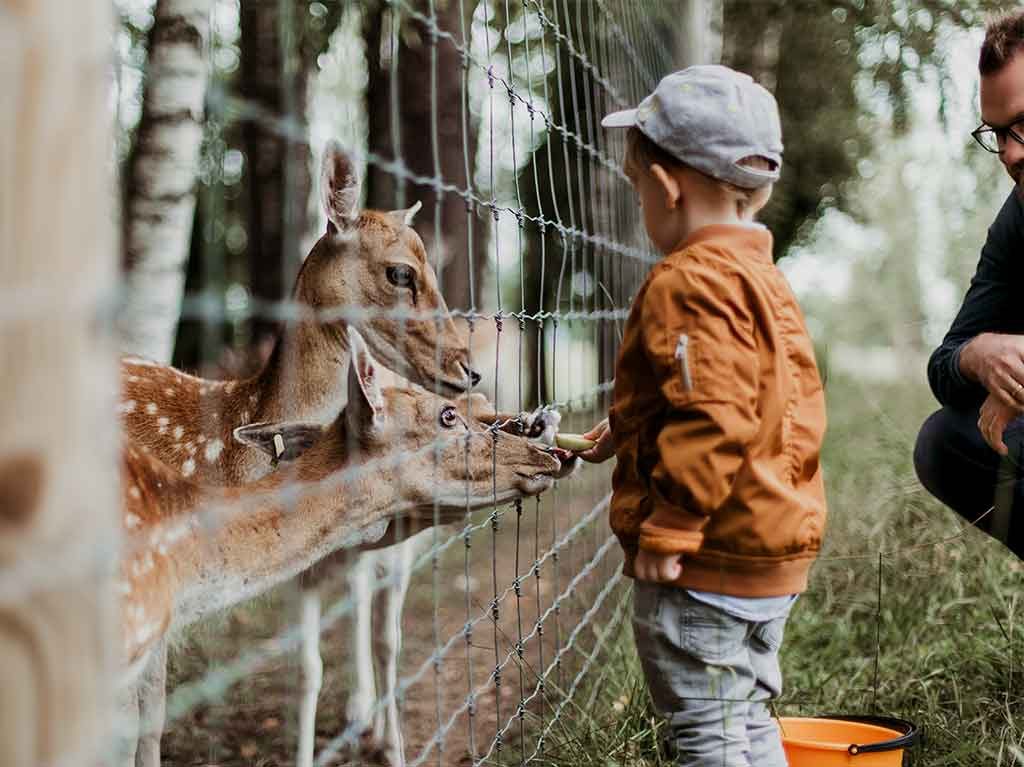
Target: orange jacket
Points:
(718, 420)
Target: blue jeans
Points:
(711, 676)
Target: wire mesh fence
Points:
(487, 114)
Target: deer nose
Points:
(474, 377)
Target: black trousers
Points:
(957, 466)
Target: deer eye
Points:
(449, 416)
(401, 276)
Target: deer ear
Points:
(365, 406)
(404, 217)
(284, 441)
(339, 187)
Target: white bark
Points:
(58, 478)
(698, 38)
(161, 200)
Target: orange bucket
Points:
(846, 741)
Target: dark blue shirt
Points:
(994, 304)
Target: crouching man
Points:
(970, 454)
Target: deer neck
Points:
(304, 379)
(262, 541)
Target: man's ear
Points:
(365, 408)
(339, 188)
(282, 441)
(669, 185)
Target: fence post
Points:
(58, 478)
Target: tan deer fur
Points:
(187, 422)
(191, 549)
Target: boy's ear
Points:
(283, 441)
(669, 184)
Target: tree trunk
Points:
(274, 76)
(160, 197)
(58, 478)
(460, 250)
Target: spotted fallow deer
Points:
(371, 260)
(191, 550)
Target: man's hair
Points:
(1004, 38)
(642, 153)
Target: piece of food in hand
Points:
(577, 443)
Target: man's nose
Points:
(1012, 152)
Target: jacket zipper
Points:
(683, 355)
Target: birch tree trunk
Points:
(160, 198)
(58, 478)
(698, 33)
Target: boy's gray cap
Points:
(710, 117)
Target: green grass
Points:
(943, 648)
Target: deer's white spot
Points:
(151, 408)
(161, 423)
(188, 467)
(126, 407)
(201, 439)
(212, 452)
(169, 391)
(133, 379)
(178, 431)
(215, 415)
(229, 387)
(131, 521)
(134, 493)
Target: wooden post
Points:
(58, 470)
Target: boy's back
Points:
(718, 419)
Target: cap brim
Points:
(624, 119)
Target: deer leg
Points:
(312, 674)
(152, 702)
(361, 698)
(127, 742)
(388, 644)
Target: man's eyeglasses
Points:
(992, 138)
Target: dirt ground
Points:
(253, 723)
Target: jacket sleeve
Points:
(992, 305)
(700, 338)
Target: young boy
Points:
(717, 421)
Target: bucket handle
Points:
(911, 733)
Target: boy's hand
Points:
(657, 568)
(604, 449)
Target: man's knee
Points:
(932, 441)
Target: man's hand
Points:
(994, 418)
(996, 361)
(657, 568)
(604, 449)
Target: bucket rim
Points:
(909, 733)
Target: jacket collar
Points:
(745, 241)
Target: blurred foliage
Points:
(834, 67)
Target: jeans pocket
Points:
(709, 634)
(770, 633)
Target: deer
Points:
(365, 259)
(193, 549)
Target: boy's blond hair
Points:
(641, 153)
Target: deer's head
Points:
(375, 261)
(432, 452)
